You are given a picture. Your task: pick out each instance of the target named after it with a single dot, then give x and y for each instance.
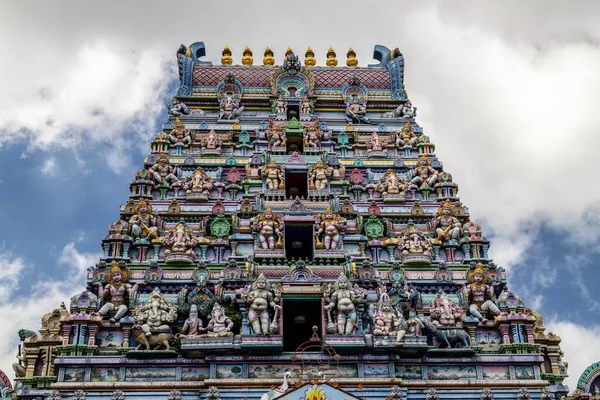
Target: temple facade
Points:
(291, 234)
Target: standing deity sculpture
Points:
(177, 108)
(387, 321)
(444, 312)
(391, 183)
(424, 174)
(116, 293)
(270, 230)
(305, 106)
(211, 141)
(220, 325)
(192, 326)
(480, 296)
(446, 226)
(356, 110)
(274, 174)
(313, 136)
(229, 106)
(414, 325)
(375, 144)
(331, 226)
(318, 174)
(143, 224)
(179, 134)
(180, 240)
(276, 136)
(162, 172)
(343, 300)
(260, 297)
(198, 183)
(281, 105)
(406, 137)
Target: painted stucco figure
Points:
(162, 172)
(116, 293)
(343, 300)
(330, 225)
(387, 321)
(446, 226)
(480, 295)
(143, 224)
(269, 228)
(406, 137)
(273, 174)
(318, 175)
(260, 299)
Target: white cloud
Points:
(49, 167)
(12, 268)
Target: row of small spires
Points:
(309, 61)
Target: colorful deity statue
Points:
(220, 325)
(276, 136)
(198, 183)
(192, 326)
(180, 240)
(339, 172)
(376, 143)
(274, 174)
(387, 321)
(313, 136)
(177, 108)
(331, 225)
(405, 110)
(117, 292)
(281, 105)
(260, 297)
(446, 225)
(155, 316)
(414, 243)
(270, 230)
(414, 325)
(424, 174)
(391, 183)
(343, 300)
(356, 110)
(406, 137)
(480, 296)
(444, 312)
(305, 106)
(318, 174)
(143, 224)
(229, 106)
(162, 172)
(179, 134)
(211, 141)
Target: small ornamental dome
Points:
(289, 51)
(331, 60)
(226, 56)
(269, 59)
(309, 61)
(351, 61)
(247, 57)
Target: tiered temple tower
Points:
(292, 235)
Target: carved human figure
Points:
(356, 111)
(391, 183)
(424, 174)
(414, 326)
(177, 108)
(318, 174)
(480, 296)
(269, 227)
(312, 136)
(220, 324)
(154, 316)
(387, 321)
(406, 137)
(274, 174)
(143, 224)
(443, 311)
(331, 225)
(211, 141)
(281, 105)
(413, 241)
(339, 172)
(229, 106)
(116, 293)
(192, 326)
(276, 136)
(162, 172)
(305, 106)
(199, 182)
(446, 225)
(260, 297)
(344, 299)
(179, 134)
(181, 239)
(407, 111)
(376, 143)
(20, 367)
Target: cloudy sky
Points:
(508, 91)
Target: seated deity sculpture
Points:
(281, 105)
(405, 110)
(356, 111)
(343, 300)
(177, 108)
(387, 321)
(424, 174)
(273, 174)
(406, 137)
(270, 230)
(156, 315)
(198, 183)
(162, 172)
(339, 172)
(116, 293)
(480, 296)
(414, 243)
(180, 240)
(375, 144)
(312, 136)
(211, 141)
(318, 174)
(179, 134)
(276, 136)
(414, 325)
(260, 298)
(192, 326)
(143, 224)
(305, 106)
(444, 312)
(229, 106)
(331, 226)
(391, 184)
(446, 226)
(220, 325)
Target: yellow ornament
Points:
(247, 56)
(331, 60)
(309, 61)
(351, 61)
(269, 59)
(226, 56)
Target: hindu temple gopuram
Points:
(291, 235)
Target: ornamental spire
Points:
(226, 56)
(331, 60)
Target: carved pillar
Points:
(93, 331)
(529, 331)
(505, 331)
(484, 247)
(66, 331)
(467, 251)
(234, 245)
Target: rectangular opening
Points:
(299, 242)
(299, 316)
(293, 111)
(294, 143)
(296, 184)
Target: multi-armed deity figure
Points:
(180, 240)
(143, 224)
(229, 106)
(276, 136)
(313, 136)
(444, 312)
(198, 183)
(391, 183)
(387, 321)
(305, 106)
(376, 144)
(269, 228)
(177, 108)
(274, 174)
(331, 225)
(211, 141)
(162, 172)
(406, 137)
(344, 300)
(318, 174)
(424, 173)
(259, 297)
(446, 225)
(405, 110)
(480, 295)
(156, 315)
(117, 292)
(179, 134)
(414, 243)
(356, 110)
(220, 325)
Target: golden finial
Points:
(331, 60)
(226, 56)
(289, 51)
(309, 61)
(268, 60)
(351, 61)
(247, 56)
